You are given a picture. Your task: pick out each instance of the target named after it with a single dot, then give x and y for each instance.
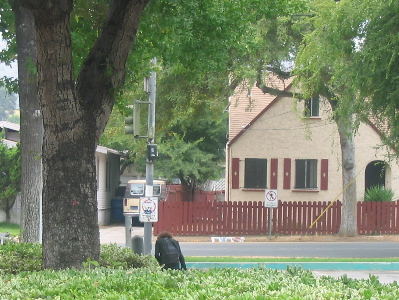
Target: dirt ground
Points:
(298, 238)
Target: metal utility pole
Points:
(150, 163)
(152, 152)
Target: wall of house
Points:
(281, 133)
(107, 183)
(12, 135)
(108, 179)
(369, 149)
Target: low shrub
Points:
(114, 256)
(378, 193)
(21, 257)
(227, 283)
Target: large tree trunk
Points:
(70, 223)
(31, 126)
(74, 117)
(348, 226)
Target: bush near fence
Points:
(223, 218)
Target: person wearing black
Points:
(168, 252)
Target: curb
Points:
(338, 266)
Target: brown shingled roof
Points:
(248, 102)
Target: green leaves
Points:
(350, 55)
(231, 283)
(10, 175)
(378, 193)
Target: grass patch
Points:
(13, 229)
(285, 259)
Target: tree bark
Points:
(348, 226)
(74, 117)
(31, 126)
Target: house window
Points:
(312, 107)
(97, 172)
(306, 174)
(108, 176)
(255, 173)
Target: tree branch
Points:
(103, 72)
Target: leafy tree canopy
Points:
(351, 55)
(7, 104)
(10, 175)
(204, 51)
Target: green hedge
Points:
(121, 274)
(21, 257)
(148, 283)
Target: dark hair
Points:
(164, 234)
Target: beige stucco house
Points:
(108, 165)
(272, 145)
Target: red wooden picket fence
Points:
(222, 218)
(378, 217)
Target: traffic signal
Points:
(133, 121)
(152, 151)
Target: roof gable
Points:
(263, 106)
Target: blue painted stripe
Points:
(338, 266)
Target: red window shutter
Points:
(324, 174)
(287, 174)
(235, 173)
(273, 174)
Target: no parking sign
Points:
(271, 198)
(148, 209)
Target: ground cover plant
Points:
(24, 257)
(153, 283)
(121, 274)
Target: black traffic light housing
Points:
(152, 151)
(133, 121)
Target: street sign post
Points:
(271, 201)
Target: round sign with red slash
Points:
(271, 198)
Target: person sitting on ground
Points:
(168, 252)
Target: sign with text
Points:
(148, 209)
(271, 198)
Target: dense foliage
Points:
(8, 103)
(378, 193)
(350, 56)
(148, 283)
(26, 257)
(10, 176)
(204, 50)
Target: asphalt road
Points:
(294, 249)
(376, 249)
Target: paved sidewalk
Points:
(117, 234)
(383, 276)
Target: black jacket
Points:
(158, 254)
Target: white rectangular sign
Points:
(271, 198)
(148, 209)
